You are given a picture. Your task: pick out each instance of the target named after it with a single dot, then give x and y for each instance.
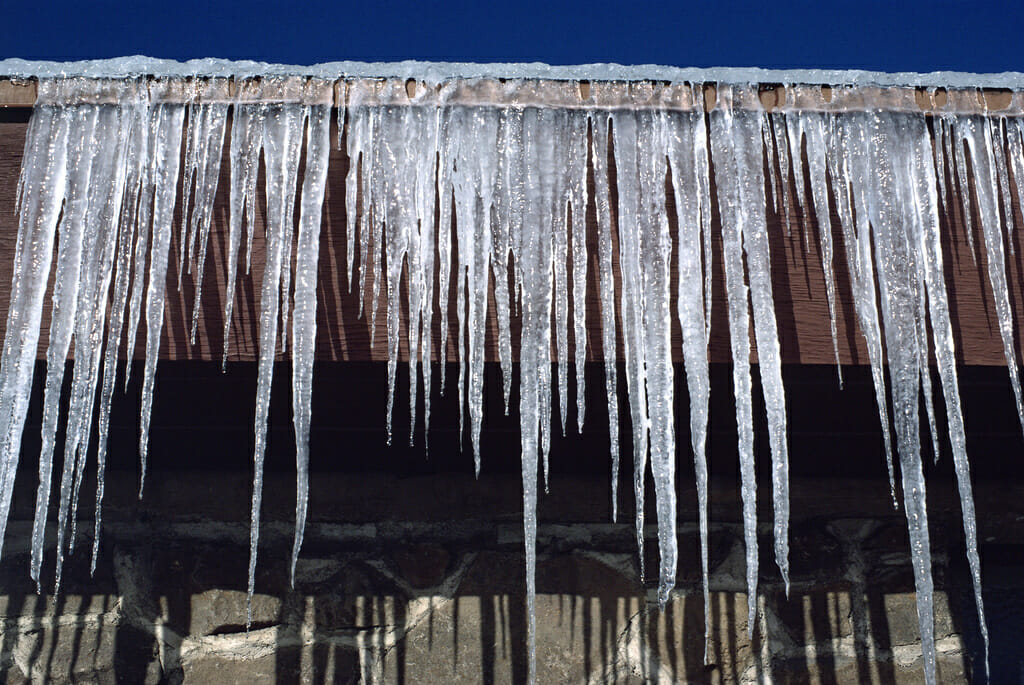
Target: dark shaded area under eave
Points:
(203, 420)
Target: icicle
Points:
(246, 142)
(373, 229)
(421, 290)
(416, 171)
(395, 184)
(167, 124)
(64, 302)
(631, 303)
(214, 124)
(1015, 128)
(926, 216)
(899, 282)
(354, 134)
(289, 244)
(656, 245)
(682, 146)
(135, 162)
(577, 171)
(702, 165)
(975, 132)
(852, 176)
(533, 259)
(318, 148)
(724, 143)
(606, 282)
(103, 192)
(142, 240)
(397, 151)
(474, 132)
(769, 151)
(940, 161)
(44, 174)
(994, 134)
(282, 141)
(559, 257)
(508, 206)
(782, 145)
(546, 193)
(955, 143)
(105, 177)
(755, 245)
(195, 115)
(795, 137)
(813, 128)
(82, 231)
(446, 156)
(364, 119)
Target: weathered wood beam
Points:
(584, 95)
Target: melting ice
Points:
(510, 184)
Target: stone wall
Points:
(404, 601)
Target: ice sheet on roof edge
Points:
(437, 72)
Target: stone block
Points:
(82, 593)
(201, 589)
(864, 671)
(316, 663)
(594, 624)
(902, 626)
(227, 670)
(224, 611)
(816, 616)
(85, 651)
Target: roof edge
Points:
(439, 72)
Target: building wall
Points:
(396, 600)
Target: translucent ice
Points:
(489, 201)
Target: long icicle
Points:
(135, 161)
(167, 128)
(64, 301)
(726, 162)
(899, 284)
(687, 139)
(631, 304)
(318, 148)
(246, 143)
(282, 138)
(974, 131)
(606, 283)
(851, 180)
(926, 216)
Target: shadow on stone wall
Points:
(408, 603)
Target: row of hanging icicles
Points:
(99, 185)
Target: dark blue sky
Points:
(888, 36)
